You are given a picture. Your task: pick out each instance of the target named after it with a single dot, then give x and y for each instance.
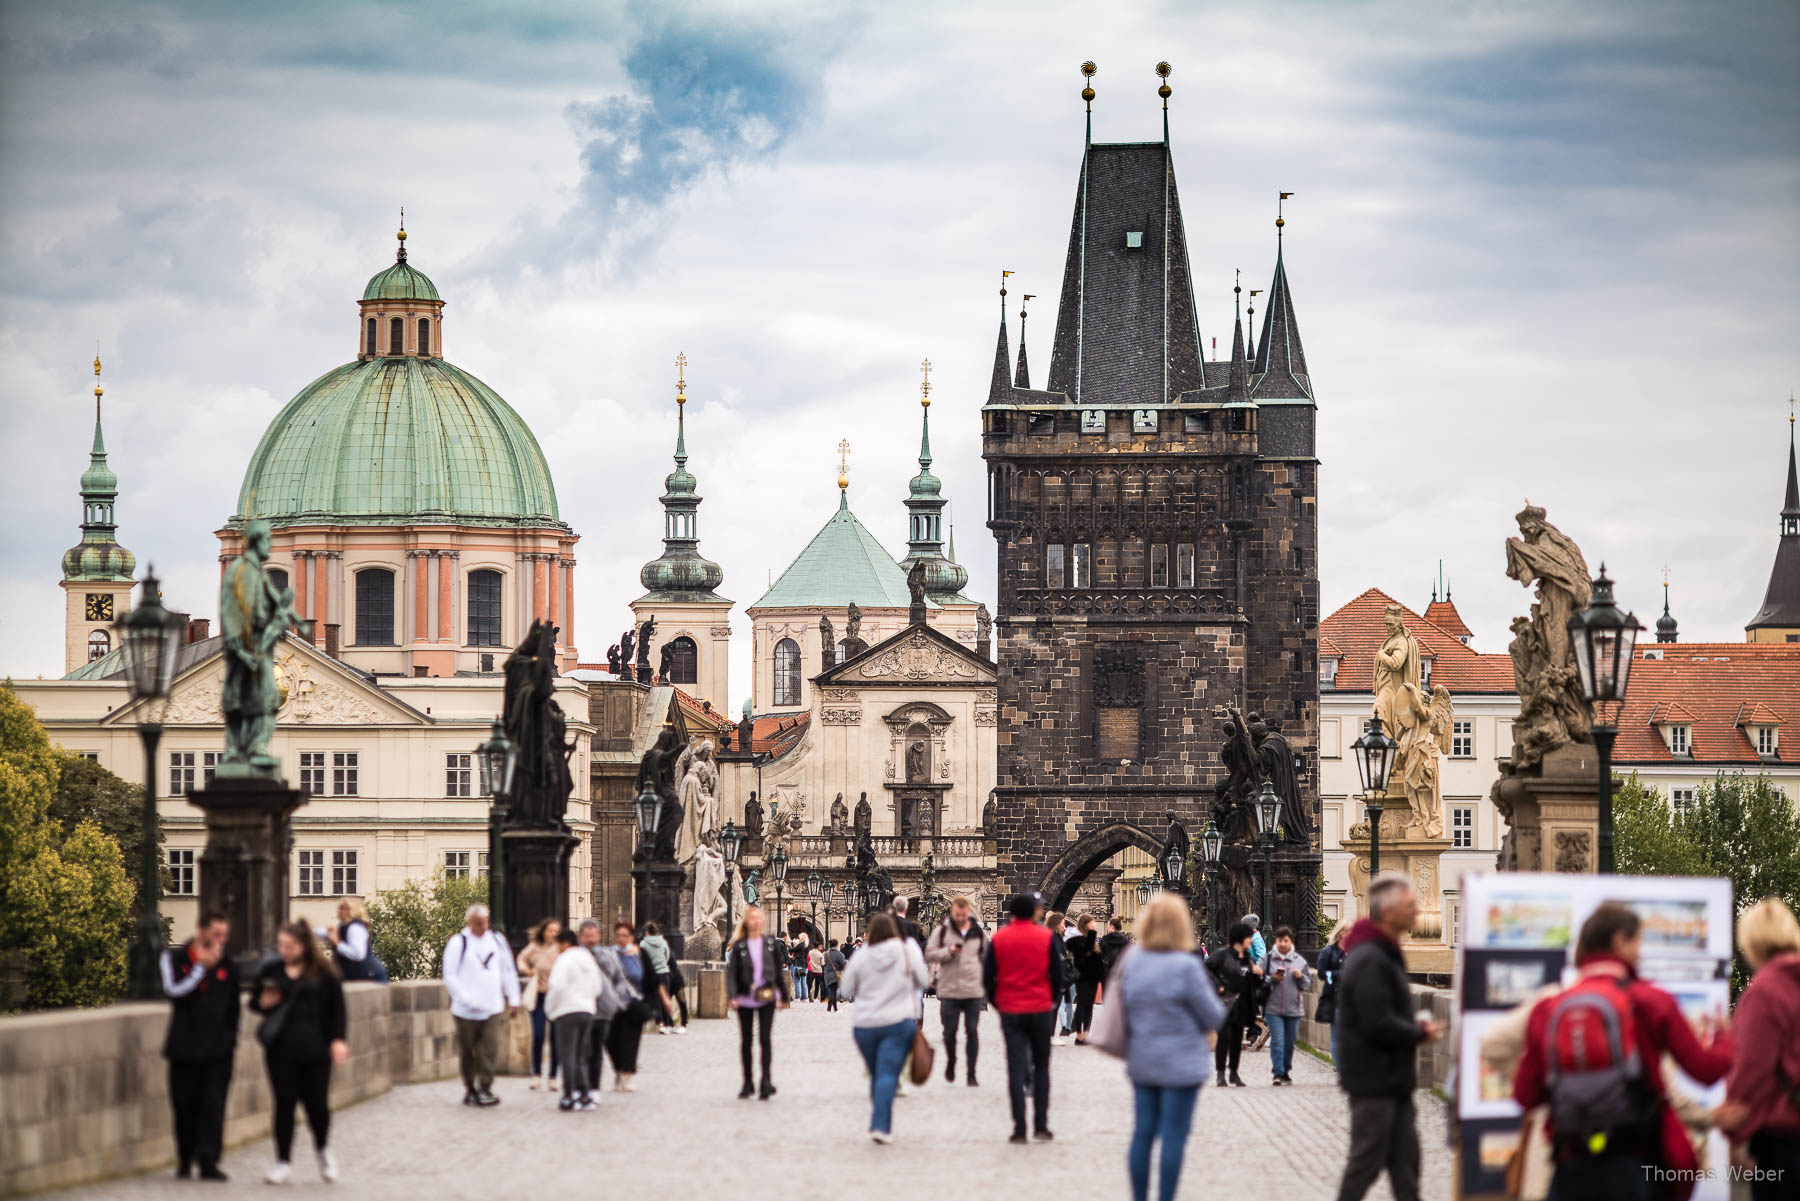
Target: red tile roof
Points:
(1720, 687)
(1329, 649)
(1671, 713)
(1443, 615)
(778, 733)
(1358, 629)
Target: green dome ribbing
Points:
(400, 282)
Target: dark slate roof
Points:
(1280, 361)
(1126, 331)
(1781, 603)
(998, 385)
(1022, 379)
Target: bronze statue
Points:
(657, 769)
(612, 658)
(1275, 761)
(536, 724)
(746, 730)
(666, 661)
(627, 643)
(643, 650)
(253, 615)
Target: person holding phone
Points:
(201, 983)
(303, 1035)
(956, 949)
(758, 988)
(1289, 976)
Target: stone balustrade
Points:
(1435, 1059)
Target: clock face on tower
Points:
(99, 606)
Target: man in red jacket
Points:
(1023, 974)
(1621, 1165)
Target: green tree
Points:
(64, 897)
(85, 791)
(1649, 839)
(409, 925)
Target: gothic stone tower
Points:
(1156, 520)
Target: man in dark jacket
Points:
(1235, 976)
(1023, 973)
(1378, 1041)
(201, 983)
(1112, 942)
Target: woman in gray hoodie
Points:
(885, 980)
(1288, 976)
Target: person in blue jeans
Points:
(797, 968)
(1171, 1016)
(1288, 975)
(885, 979)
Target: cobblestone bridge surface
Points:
(684, 1133)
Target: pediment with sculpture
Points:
(313, 690)
(916, 655)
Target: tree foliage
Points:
(409, 925)
(85, 791)
(65, 897)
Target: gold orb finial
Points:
(1163, 70)
(680, 377)
(1088, 69)
(925, 383)
(98, 391)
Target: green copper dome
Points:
(98, 561)
(400, 282)
(395, 440)
(98, 557)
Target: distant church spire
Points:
(997, 385)
(1780, 612)
(944, 578)
(680, 573)
(1280, 365)
(1022, 379)
(1666, 629)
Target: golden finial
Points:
(1790, 405)
(1237, 279)
(1087, 93)
(843, 464)
(97, 389)
(402, 233)
(1003, 274)
(680, 378)
(1279, 220)
(1163, 71)
(925, 383)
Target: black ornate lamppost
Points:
(1144, 890)
(1212, 850)
(1604, 638)
(826, 891)
(815, 888)
(498, 758)
(1268, 816)
(151, 636)
(778, 865)
(1174, 868)
(1374, 759)
(648, 808)
(731, 846)
(872, 900)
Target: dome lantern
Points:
(401, 312)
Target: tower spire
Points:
(400, 254)
(924, 414)
(843, 448)
(997, 382)
(1790, 504)
(1163, 70)
(680, 573)
(925, 501)
(1022, 379)
(1280, 364)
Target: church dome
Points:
(395, 440)
(400, 282)
(98, 561)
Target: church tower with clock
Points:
(96, 578)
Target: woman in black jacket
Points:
(1090, 974)
(303, 1035)
(757, 985)
(1235, 976)
(1329, 964)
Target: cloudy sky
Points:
(1538, 250)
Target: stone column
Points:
(302, 592)
(444, 587)
(540, 583)
(334, 589)
(553, 569)
(421, 596)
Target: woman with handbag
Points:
(303, 1035)
(1090, 973)
(885, 981)
(1169, 1014)
(534, 964)
(758, 985)
(1329, 963)
(627, 1029)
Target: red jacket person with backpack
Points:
(1594, 1052)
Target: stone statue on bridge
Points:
(253, 615)
(536, 724)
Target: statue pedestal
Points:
(1428, 948)
(244, 868)
(668, 887)
(536, 865)
(1553, 814)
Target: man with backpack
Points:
(1379, 1042)
(1593, 1053)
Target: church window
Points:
(1462, 740)
(375, 607)
(1093, 421)
(372, 348)
(397, 336)
(99, 643)
(484, 608)
(1462, 827)
(1184, 564)
(1054, 575)
(278, 577)
(424, 336)
(1143, 421)
(684, 661)
(1159, 566)
(1081, 563)
(787, 672)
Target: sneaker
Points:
(678, 1030)
(485, 1098)
(1041, 1136)
(1287, 1077)
(588, 1104)
(629, 1083)
(1059, 1041)
(1277, 1081)
(881, 1136)
(566, 1104)
(328, 1168)
(281, 1173)
(537, 1082)
(469, 1098)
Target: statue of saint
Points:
(827, 642)
(645, 632)
(699, 780)
(751, 880)
(1396, 671)
(627, 644)
(536, 724)
(1548, 557)
(612, 658)
(840, 813)
(253, 615)
(1552, 712)
(1416, 762)
(853, 623)
(1275, 759)
(984, 631)
(657, 769)
(915, 582)
(665, 665)
(864, 817)
(917, 769)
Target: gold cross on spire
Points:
(680, 377)
(1665, 576)
(843, 448)
(925, 382)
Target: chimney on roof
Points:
(334, 638)
(199, 629)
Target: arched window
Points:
(373, 349)
(278, 577)
(99, 642)
(424, 336)
(484, 608)
(787, 672)
(684, 661)
(396, 336)
(375, 607)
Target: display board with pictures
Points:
(1517, 944)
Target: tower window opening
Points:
(372, 347)
(484, 608)
(787, 672)
(397, 336)
(99, 643)
(684, 661)
(375, 607)
(424, 336)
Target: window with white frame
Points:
(312, 772)
(1462, 827)
(181, 871)
(1453, 911)
(343, 874)
(1680, 738)
(344, 773)
(458, 774)
(209, 765)
(1680, 798)
(1765, 741)
(310, 874)
(181, 772)
(1425, 671)
(90, 756)
(1328, 673)
(1462, 740)
(459, 864)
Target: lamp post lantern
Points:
(731, 846)
(826, 892)
(1268, 815)
(778, 865)
(1212, 850)
(872, 899)
(815, 887)
(648, 808)
(1374, 760)
(498, 758)
(151, 636)
(1603, 639)
(1143, 892)
(1174, 870)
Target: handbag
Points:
(1108, 1032)
(275, 1021)
(922, 1056)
